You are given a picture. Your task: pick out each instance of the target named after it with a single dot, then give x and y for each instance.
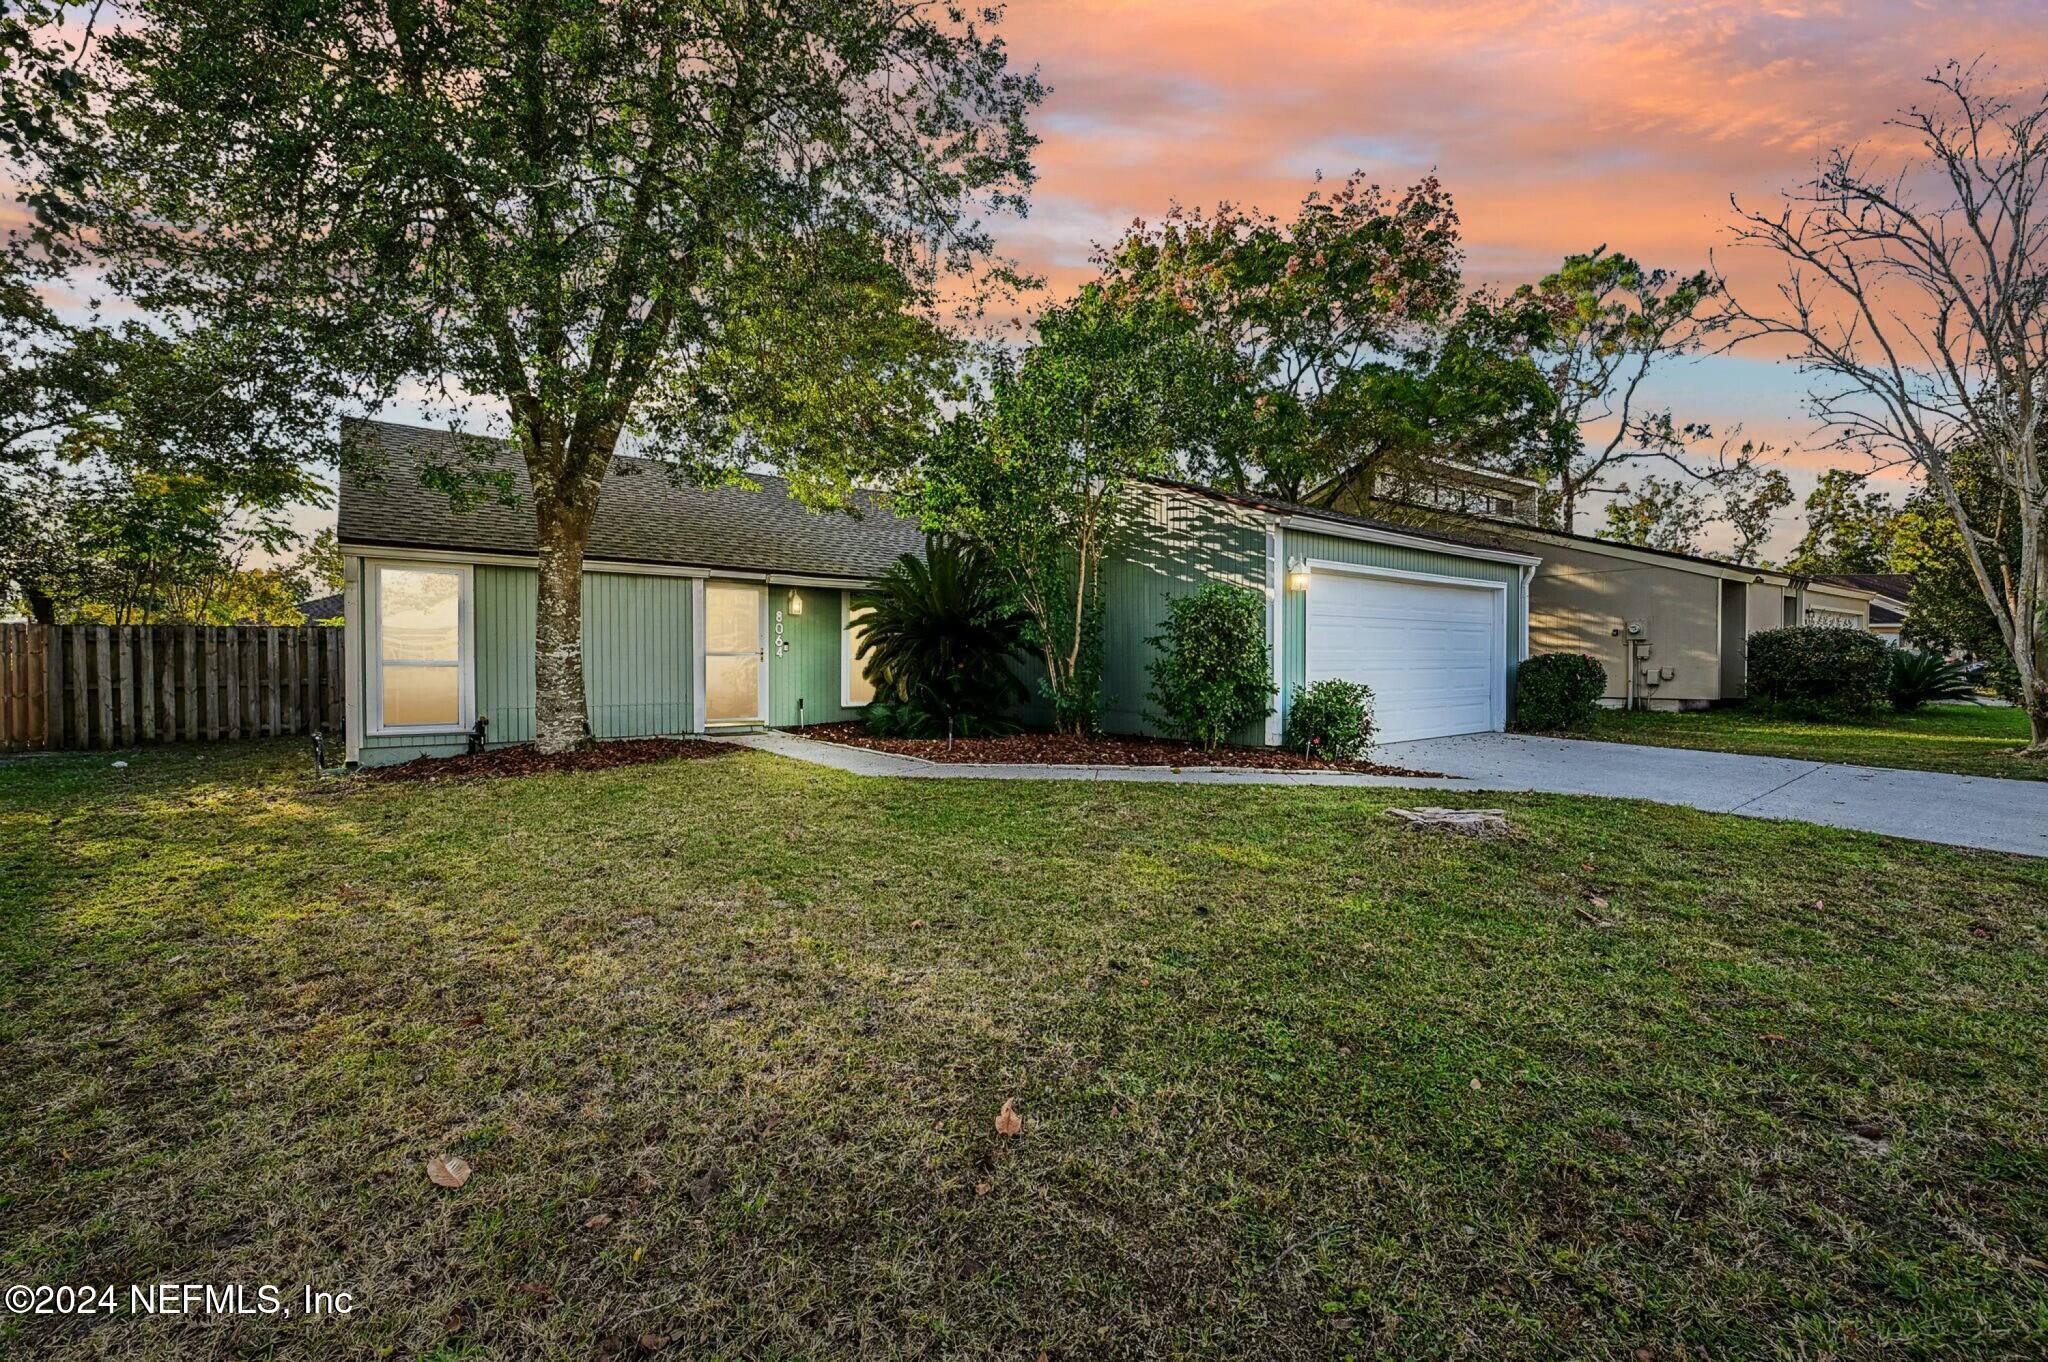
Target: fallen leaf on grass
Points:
(1008, 1122)
(449, 1172)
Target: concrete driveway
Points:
(1966, 811)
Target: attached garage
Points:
(1434, 624)
(1433, 650)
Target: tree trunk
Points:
(560, 721)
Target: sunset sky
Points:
(1558, 125)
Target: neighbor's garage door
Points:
(1434, 654)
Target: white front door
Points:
(1434, 653)
(735, 674)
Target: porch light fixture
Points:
(796, 602)
(1297, 574)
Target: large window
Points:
(419, 648)
(855, 687)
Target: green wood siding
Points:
(1167, 544)
(1294, 610)
(637, 667)
(806, 667)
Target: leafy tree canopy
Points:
(1848, 528)
(1302, 325)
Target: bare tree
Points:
(1914, 295)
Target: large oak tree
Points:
(717, 226)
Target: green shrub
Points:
(1330, 720)
(1817, 672)
(1211, 676)
(937, 634)
(1917, 678)
(888, 718)
(1558, 691)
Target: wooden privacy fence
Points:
(96, 685)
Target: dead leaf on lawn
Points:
(1008, 1122)
(448, 1171)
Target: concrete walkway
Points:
(1965, 811)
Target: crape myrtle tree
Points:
(1039, 471)
(1915, 292)
(717, 227)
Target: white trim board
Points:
(1340, 530)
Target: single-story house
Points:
(1670, 628)
(1891, 594)
(708, 609)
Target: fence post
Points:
(103, 689)
(53, 694)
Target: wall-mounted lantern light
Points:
(796, 602)
(1297, 575)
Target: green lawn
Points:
(1970, 740)
(725, 1041)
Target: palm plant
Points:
(938, 634)
(1919, 677)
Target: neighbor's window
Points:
(419, 646)
(857, 688)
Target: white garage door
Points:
(1434, 655)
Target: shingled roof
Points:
(643, 515)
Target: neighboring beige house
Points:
(1670, 628)
(1891, 593)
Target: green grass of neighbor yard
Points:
(725, 1042)
(1967, 740)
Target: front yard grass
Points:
(1965, 740)
(725, 1041)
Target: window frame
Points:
(373, 647)
(847, 660)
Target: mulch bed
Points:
(524, 760)
(1058, 749)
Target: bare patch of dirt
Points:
(1059, 749)
(525, 760)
